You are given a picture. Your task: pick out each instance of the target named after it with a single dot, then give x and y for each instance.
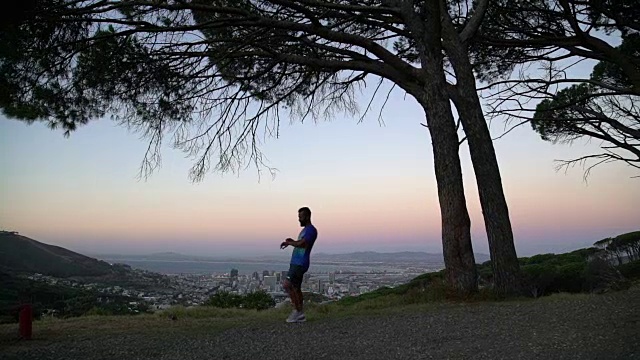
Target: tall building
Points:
(332, 277)
(270, 282)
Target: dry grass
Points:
(203, 319)
(90, 326)
(199, 319)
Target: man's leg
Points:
(295, 294)
(299, 298)
(296, 288)
(293, 284)
(288, 287)
(286, 284)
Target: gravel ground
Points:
(581, 327)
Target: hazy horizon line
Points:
(269, 254)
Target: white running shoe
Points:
(293, 316)
(296, 316)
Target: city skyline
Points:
(370, 187)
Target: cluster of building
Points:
(195, 289)
(328, 286)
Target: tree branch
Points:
(472, 27)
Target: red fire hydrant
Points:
(25, 320)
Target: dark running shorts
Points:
(295, 275)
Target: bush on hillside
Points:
(427, 278)
(630, 270)
(601, 276)
(383, 291)
(549, 273)
(419, 289)
(224, 299)
(537, 279)
(64, 301)
(258, 300)
(571, 277)
(485, 273)
(582, 270)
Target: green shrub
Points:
(485, 273)
(537, 279)
(570, 277)
(539, 259)
(350, 300)
(630, 270)
(224, 299)
(436, 290)
(426, 278)
(258, 300)
(577, 271)
(422, 288)
(545, 274)
(601, 276)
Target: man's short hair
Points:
(305, 210)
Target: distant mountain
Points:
(161, 256)
(403, 256)
(373, 256)
(20, 254)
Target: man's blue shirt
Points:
(300, 256)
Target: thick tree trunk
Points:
(456, 225)
(504, 261)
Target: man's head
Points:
(304, 216)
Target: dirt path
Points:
(581, 327)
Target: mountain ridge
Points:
(21, 254)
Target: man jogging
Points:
(299, 262)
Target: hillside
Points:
(20, 254)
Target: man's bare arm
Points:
(295, 243)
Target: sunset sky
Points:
(370, 187)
